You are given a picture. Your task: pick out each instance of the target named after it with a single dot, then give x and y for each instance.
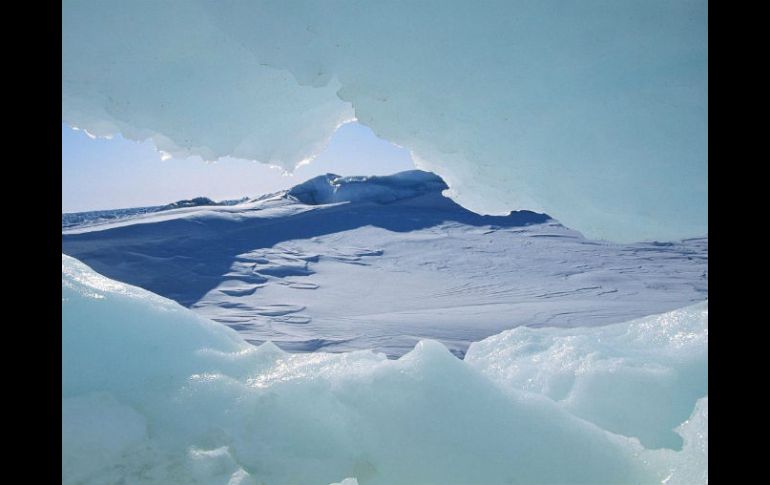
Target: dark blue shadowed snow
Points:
(344, 263)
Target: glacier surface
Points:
(593, 111)
(153, 393)
(350, 263)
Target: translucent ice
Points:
(594, 111)
(640, 378)
(153, 393)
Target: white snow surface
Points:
(153, 393)
(347, 263)
(593, 111)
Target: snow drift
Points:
(331, 188)
(593, 111)
(155, 394)
(379, 263)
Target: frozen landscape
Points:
(373, 268)
(594, 112)
(196, 404)
(350, 263)
(529, 307)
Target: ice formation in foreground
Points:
(593, 111)
(154, 394)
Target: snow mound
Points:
(296, 267)
(594, 112)
(155, 394)
(331, 188)
(195, 202)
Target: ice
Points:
(352, 263)
(153, 393)
(640, 378)
(693, 464)
(594, 112)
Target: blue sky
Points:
(118, 173)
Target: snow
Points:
(356, 263)
(333, 188)
(154, 393)
(80, 219)
(593, 112)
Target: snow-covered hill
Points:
(344, 263)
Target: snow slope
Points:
(154, 394)
(80, 219)
(346, 263)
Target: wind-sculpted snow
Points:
(592, 111)
(347, 263)
(154, 394)
(92, 218)
(331, 188)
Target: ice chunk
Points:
(594, 112)
(640, 378)
(692, 465)
(156, 394)
(97, 430)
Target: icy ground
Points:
(382, 262)
(154, 394)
